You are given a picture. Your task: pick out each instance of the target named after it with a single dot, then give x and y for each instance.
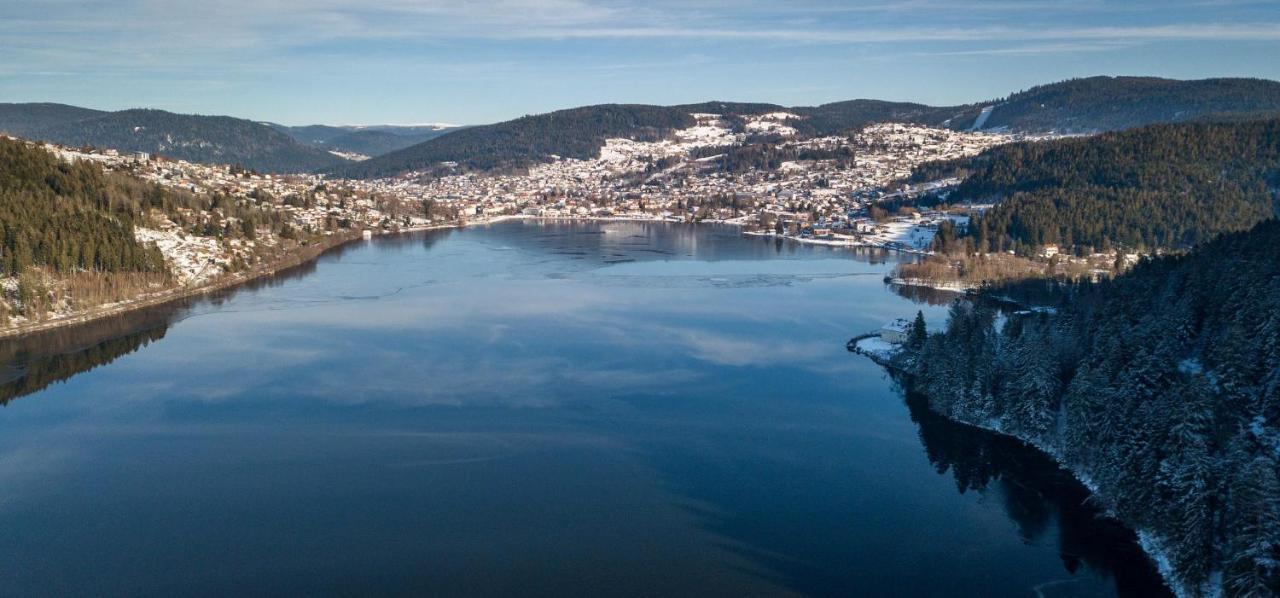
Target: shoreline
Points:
(304, 255)
(312, 252)
(838, 243)
(1148, 542)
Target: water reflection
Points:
(525, 408)
(1039, 496)
(924, 295)
(34, 361)
(622, 241)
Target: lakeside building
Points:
(895, 331)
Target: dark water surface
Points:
(525, 409)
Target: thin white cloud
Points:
(1210, 32)
(1037, 49)
(238, 24)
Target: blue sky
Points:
(407, 61)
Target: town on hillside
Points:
(827, 190)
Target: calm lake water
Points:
(525, 409)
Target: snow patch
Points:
(878, 347)
(773, 122)
(352, 156)
(192, 259)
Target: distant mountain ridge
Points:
(1090, 105)
(195, 138)
(572, 133)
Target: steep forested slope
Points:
(1162, 186)
(1162, 388)
(68, 216)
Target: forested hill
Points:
(1096, 104)
(22, 119)
(69, 217)
(195, 138)
(839, 117)
(1162, 186)
(370, 141)
(1081, 105)
(581, 132)
(853, 114)
(1162, 388)
(575, 133)
(210, 139)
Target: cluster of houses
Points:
(311, 200)
(678, 178)
(673, 179)
(310, 204)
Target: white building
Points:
(895, 331)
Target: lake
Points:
(526, 409)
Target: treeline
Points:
(517, 144)
(1161, 387)
(1158, 187)
(67, 216)
(75, 217)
